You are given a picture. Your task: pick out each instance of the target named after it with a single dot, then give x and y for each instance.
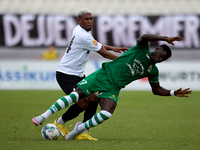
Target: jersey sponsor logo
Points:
(95, 42)
(132, 70)
(136, 68)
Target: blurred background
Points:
(35, 33)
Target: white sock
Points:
(47, 114)
(60, 121)
(81, 127)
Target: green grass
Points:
(141, 121)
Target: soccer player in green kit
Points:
(138, 62)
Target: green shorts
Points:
(98, 81)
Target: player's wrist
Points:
(172, 93)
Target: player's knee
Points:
(108, 105)
(83, 103)
(93, 97)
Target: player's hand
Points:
(182, 93)
(120, 49)
(171, 39)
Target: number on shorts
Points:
(83, 82)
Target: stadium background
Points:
(20, 67)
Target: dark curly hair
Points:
(167, 49)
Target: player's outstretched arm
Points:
(106, 54)
(158, 90)
(116, 49)
(145, 38)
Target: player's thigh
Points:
(107, 104)
(67, 82)
(83, 103)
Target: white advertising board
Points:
(38, 75)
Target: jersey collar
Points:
(149, 59)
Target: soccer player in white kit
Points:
(70, 72)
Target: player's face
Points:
(86, 21)
(158, 55)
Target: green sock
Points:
(64, 102)
(95, 120)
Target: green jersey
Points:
(130, 66)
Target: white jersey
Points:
(77, 52)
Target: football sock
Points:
(60, 121)
(62, 103)
(73, 111)
(95, 120)
(90, 110)
(46, 114)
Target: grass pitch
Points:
(141, 121)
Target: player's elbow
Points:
(144, 36)
(103, 52)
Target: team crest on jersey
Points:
(95, 42)
(150, 68)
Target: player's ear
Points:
(79, 20)
(157, 48)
